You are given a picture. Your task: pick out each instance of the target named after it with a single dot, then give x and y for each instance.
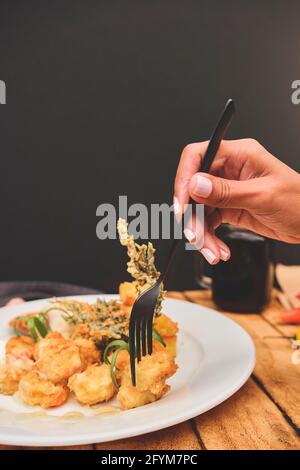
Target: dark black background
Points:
(101, 98)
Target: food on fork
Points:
(141, 266)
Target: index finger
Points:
(189, 164)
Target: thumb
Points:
(219, 192)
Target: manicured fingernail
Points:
(208, 255)
(224, 255)
(201, 186)
(189, 235)
(177, 209)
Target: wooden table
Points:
(264, 414)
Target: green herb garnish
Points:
(38, 326)
(158, 337)
(113, 344)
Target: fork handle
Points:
(211, 151)
(217, 136)
(171, 255)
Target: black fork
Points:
(141, 319)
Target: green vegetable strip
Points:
(157, 336)
(40, 327)
(32, 328)
(44, 319)
(56, 308)
(116, 343)
(36, 326)
(113, 365)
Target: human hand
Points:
(247, 187)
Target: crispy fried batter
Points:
(123, 359)
(18, 361)
(152, 372)
(18, 364)
(57, 358)
(20, 345)
(92, 386)
(131, 397)
(9, 380)
(89, 353)
(35, 389)
(165, 326)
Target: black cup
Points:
(244, 283)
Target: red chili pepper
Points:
(291, 316)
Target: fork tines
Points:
(141, 325)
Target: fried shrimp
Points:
(35, 389)
(57, 358)
(151, 375)
(89, 353)
(9, 380)
(18, 364)
(133, 397)
(18, 361)
(92, 386)
(20, 345)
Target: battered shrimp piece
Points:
(18, 361)
(132, 397)
(18, 365)
(151, 375)
(9, 380)
(92, 386)
(123, 359)
(89, 353)
(154, 370)
(35, 389)
(57, 358)
(44, 343)
(20, 345)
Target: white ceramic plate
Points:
(215, 358)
